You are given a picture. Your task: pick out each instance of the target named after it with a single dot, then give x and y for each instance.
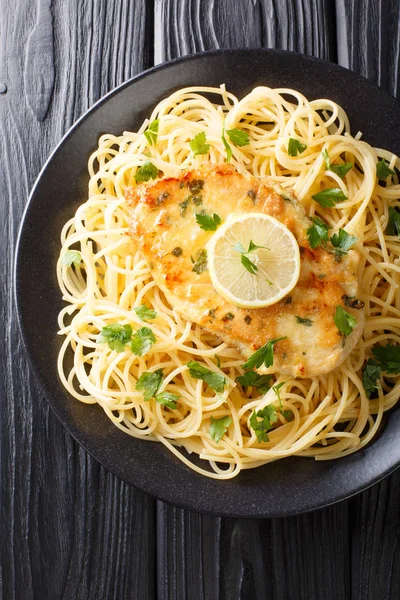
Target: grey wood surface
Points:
(68, 528)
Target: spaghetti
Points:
(331, 415)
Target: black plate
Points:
(281, 488)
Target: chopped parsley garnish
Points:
(177, 251)
(252, 194)
(277, 390)
(200, 262)
(142, 341)
(393, 226)
(261, 427)
(238, 137)
(117, 336)
(219, 426)
(342, 242)
(227, 148)
(208, 222)
(216, 381)
(263, 356)
(151, 132)
(370, 376)
(318, 232)
(149, 383)
(183, 206)
(389, 358)
(344, 321)
(303, 321)
(197, 200)
(247, 319)
(328, 198)
(218, 361)
(253, 379)
(198, 144)
(295, 147)
(383, 171)
(246, 262)
(161, 198)
(167, 399)
(352, 302)
(146, 172)
(340, 170)
(144, 313)
(228, 317)
(196, 185)
(71, 257)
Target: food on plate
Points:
(302, 285)
(232, 281)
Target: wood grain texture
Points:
(187, 26)
(368, 34)
(68, 528)
(66, 524)
(39, 62)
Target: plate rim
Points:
(42, 386)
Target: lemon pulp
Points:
(248, 277)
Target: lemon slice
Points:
(253, 260)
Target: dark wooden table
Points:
(69, 528)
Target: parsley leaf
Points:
(142, 341)
(389, 357)
(263, 356)
(219, 426)
(261, 428)
(71, 257)
(116, 336)
(167, 399)
(248, 264)
(200, 263)
(342, 241)
(207, 222)
(328, 198)
(295, 147)
(253, 379)
(393, 226)
(146, 172)
(371, 374)
(318, 232)
(340, 170)
(382, 170)
(198, 144)
(216, 381)
(303, 321)
(253, 246)
(344, 321)
(227, 148)
(238, 137)
(149, 383)
(287, 414)
(144, 313)
(151, 132)
(277, 390)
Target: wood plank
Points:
(255, 559)
(368, 39)
(368, 33)
(187, 26)
(68, 528)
